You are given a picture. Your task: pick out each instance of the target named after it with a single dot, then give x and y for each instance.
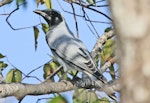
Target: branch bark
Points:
(4, 2)
(101, 41)
(20, 90)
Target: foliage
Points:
(1, 56)
(87, 96)
(14, 75)
(58, 99)
(36, 35)
(2, 64)
(84, 96)
(50, 68)
(45, 27)
(48, 3)
(80, 95)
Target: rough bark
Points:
(20, 90)
(4, 2)
(132, 25)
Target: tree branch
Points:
(20, 90)
(86, 16)
(76, 23)
(100, 42)
(88, 7)
(108, 64)
(4, 2)
(78, 15)
(9, 15)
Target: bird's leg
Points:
(74, 77)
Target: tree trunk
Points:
(132, 25)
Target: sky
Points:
(18, 45)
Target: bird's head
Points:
(52, 17)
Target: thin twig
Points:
(97, 21)
(35, 69)
(86, 6)
(52, 75)
(4, 14)
(90, 28)
(78, 15)
(10, 63)
(33, 77)
(42, 99)
(75, 20)
(90, 22)
(66, 10)
(100, 1)
(26, 76)
(102, 5)
(9, 15)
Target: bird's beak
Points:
(36, 11)
(40, 12)
(43, 14)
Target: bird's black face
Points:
(52, 16)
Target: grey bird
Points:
(69, 51)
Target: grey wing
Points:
(73, 51)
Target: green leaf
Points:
(9, 76)
(14, 75)
(84, 96)
(3, 65)
(45, 28)
(108, 29)
(102, 58)
(54, 65)
(38, 2)
(48, 4)
(36, 35)
(50, 68)
(62, 75)
(90, 1)
(41, 2)
(108, 47)
(58, 99)
(19, 2)
(103, 100)
(72, 72)
(47, 70)
(107, 51)
(17, 76)
(1, 56)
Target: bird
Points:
(68, 50)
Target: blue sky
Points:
(18, 45)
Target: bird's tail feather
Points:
(100, 77)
